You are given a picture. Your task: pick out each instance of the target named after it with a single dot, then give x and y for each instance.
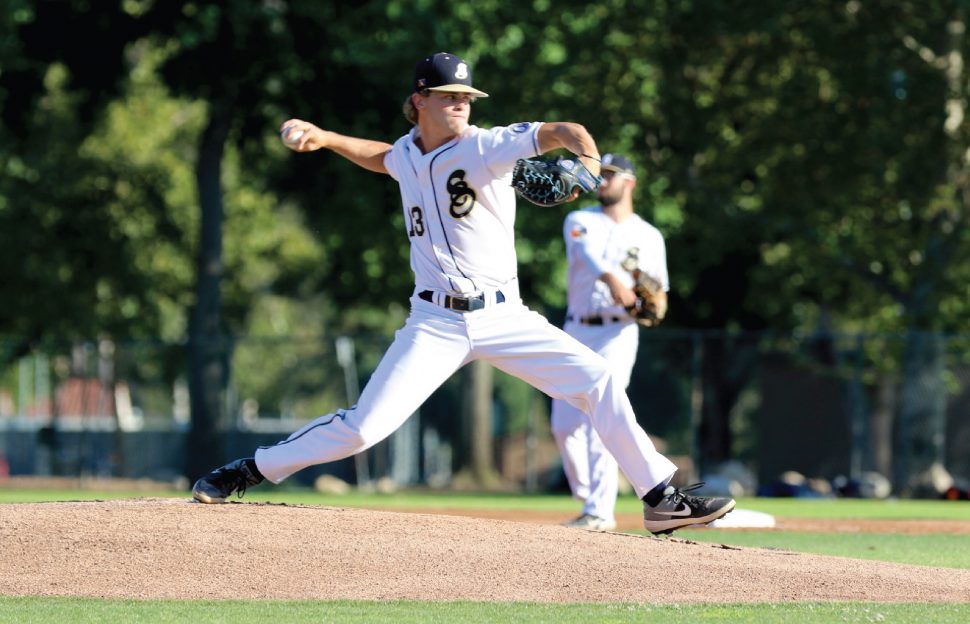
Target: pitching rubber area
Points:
(177, 549)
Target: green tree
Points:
(818, 154)
(106, 250)
(806, 163)
(66, 269)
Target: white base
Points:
(744, 519)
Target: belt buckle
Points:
(465, 304)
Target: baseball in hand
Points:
(291, 136)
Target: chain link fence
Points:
(823, 405)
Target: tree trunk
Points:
(860, 455)
(881, 425)
(208, 351)
(922, 414)
(478, 409)
(714, 435)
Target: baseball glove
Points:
(550, 183)
(651, 305)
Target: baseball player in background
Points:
(459, 209)
(603, 244)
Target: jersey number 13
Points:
(417, 222)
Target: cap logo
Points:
(461, 71)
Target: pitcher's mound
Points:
(175, 549)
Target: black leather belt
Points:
(462, 304)
(594, 320)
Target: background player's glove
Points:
(547, 183)
(651, 305)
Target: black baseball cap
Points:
(617, 164)
(444, 72)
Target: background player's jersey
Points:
(459, 206)
(596, 244)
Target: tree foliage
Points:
(806, 162)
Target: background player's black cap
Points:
(444, 72)
(617, 164)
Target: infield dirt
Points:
(175, 549)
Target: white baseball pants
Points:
(433, 344)
(590, 468)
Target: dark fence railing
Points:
(823, 405)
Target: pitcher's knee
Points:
(599, 387)
(365, 437)
(358, 441)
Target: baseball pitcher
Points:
(459, 207)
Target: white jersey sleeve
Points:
(504, 145)
(394, 158)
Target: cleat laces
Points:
(679, 495)
(232, 480)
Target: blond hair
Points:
(410, 112)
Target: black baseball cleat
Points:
(677, 509)
(219, 484)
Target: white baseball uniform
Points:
(596, 244)
(459, 211)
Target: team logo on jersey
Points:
(577, 231)
(462, 195)
(519, 128)
(461, 72)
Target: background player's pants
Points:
(433, 344)
(589, 466)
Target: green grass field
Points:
(84, 611)
(787, 507)
(934, 550)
